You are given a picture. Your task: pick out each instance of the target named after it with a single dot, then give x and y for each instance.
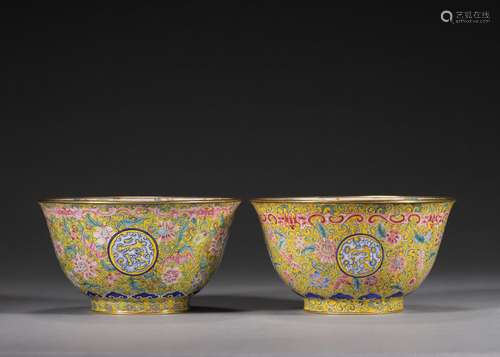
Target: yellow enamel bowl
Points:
(355, 255)
(135, 255)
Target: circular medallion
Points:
(360, 255)
(132, 251)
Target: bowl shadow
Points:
(18, 304)
(448, 301)
(240, 303)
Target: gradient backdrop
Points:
(243, 100)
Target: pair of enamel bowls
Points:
(352, 255)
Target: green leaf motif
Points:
(281, 239)
(321, 230)
(186, 247)
(106, 266)
(91, 221)
(134, 284)
(356, 283)
(281, 242)
(308, 249)
(381, 231)
(203, 263)
(182, 231)
(328, 207)
(70, 251)
(127, 222)
(419, 238)
(319, 267)
(89, 286)
(65, 227)
(278, 233)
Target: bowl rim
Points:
(356, 199)
(137, 200)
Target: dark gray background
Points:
(245, 100)
(248, 101)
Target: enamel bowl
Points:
(139, 254)
(353, 254)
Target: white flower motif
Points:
(103, 234)
(171, 275)
(84, 266)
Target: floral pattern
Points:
(393, 236)
(84, 267)
(189, 238)
(325, 250)
(409, 235)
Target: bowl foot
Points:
(168, 305)
(345, 306)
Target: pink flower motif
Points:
(294, 265)
(341, 281)
(288, 276)
(215, 247)
(103, 234)
(85, 267)
(199, 280)
(74, 234)
(183, 257)
(300, 243)
(171, 275)
(112, 278)
(179, 258)
(90, 246)
(167, 231)
(371, 280)
(290, 261)
(412, 281)
(192, 214)
(59, 248)
(397, 264)
(421, 260)
(393, 236)
(272, 237)
(326, 251)
(217, 244)
(101, 253)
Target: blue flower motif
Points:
(318, 281)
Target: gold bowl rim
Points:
(137, 200)
(356, 199)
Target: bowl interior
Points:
(357, 199)
(138, 200)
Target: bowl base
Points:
(345, 306)
(168, 305)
